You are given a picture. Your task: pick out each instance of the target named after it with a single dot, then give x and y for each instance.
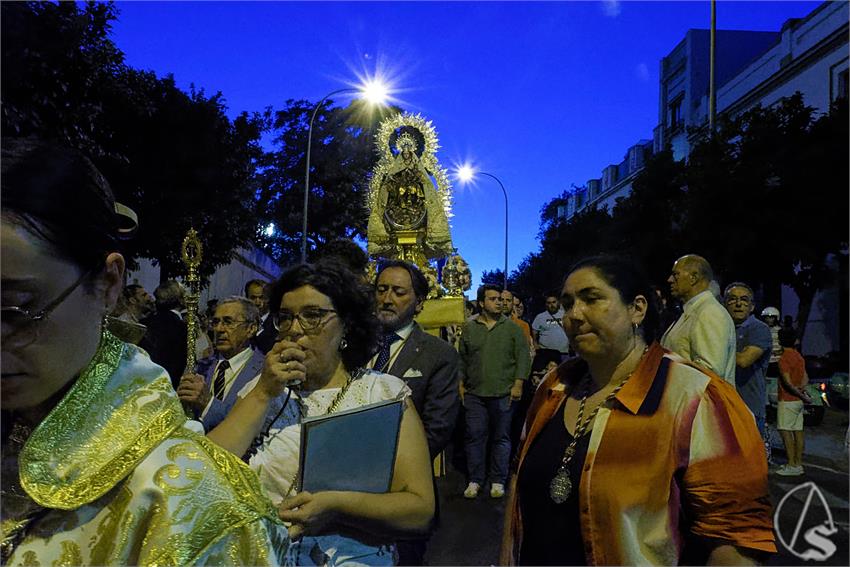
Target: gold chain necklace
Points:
(302, 410)
(561, 486)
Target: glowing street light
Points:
(466, 173)
(373, 91)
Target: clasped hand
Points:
(194, 391)
(284, 366)
(308, 513)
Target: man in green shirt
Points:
(494, 364)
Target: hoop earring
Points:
(343, 344)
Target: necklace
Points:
(561, 486)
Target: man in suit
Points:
(165, 339)
(426, 363)
(255, 291)
(213, 389)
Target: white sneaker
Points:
(471, 490)
(497, 490)
(788, 470)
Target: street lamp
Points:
(375, 92)
(467, 173)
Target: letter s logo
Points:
(817, 538)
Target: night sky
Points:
(542, 95)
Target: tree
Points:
(342, 158)
(564, 242)
(173, 156)
(767, 197)
(58, 65)
(647, 224)
(493, 277)
(180, 162)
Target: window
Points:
(841, 85)
(676, 121)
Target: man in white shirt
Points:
(211, 391)
(705, 333)
(547, 330)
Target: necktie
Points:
(384, 353)
(218, 383)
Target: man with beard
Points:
(212, 390)
(428, 365)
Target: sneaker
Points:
(788, 470)
(471, 490)
(497, 490)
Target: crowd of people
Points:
(615, 437)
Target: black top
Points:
(551, 533)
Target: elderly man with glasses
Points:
(211, 391)
(753, 345)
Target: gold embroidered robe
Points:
(126, 479)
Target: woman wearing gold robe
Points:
(100, 465)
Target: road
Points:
(470, 530)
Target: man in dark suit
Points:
(426, 363)
(255, 291)
(215, 386)
(165, 339)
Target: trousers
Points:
(488, 417)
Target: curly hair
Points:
(353, 301)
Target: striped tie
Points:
(218, 383)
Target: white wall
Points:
(227, 280)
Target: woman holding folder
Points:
(327, 330)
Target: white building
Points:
(809, 55)
(230, 279)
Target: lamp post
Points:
(373, 91)
(466, 173)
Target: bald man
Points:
(705, 333)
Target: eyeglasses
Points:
(735, 300)
(24, 325)
(226, 322)
(310, 319)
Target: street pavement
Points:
(470, 530)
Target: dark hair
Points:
(130, 290)
(738, 284)
(169, 295)
(787, 337)
(347, 252)
(630, 281)
(58, 195)
(255, 281)
(353, 300)
(543, 357)
(482, 291)
(417, 280)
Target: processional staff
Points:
(191, 253)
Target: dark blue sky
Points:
(540, 94)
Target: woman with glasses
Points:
(630, 455)
(99, 464)
(327, 330)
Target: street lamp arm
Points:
(505, 193)
(307, 173)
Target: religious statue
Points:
(409, 197)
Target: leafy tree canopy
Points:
(173, 156)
